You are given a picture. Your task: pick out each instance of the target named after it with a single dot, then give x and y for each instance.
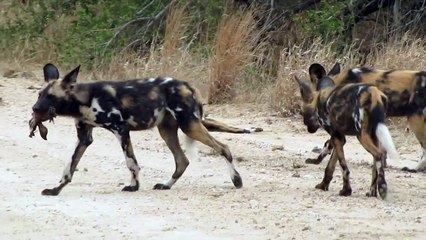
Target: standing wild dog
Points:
(124, 106)
(405, 90)
(353, 110)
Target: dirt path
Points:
(278, 200)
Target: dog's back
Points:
(141, 103)
(346, 107)
(406, 90)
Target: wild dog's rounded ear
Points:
(316, 72)
(334, 70)
(325, 82)
(305, 90)
(50, 72)
(71, 77)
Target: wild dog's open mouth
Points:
(37, 121)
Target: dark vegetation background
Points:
(234, 50)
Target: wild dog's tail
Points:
(385, 139)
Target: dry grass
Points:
(233, 49)
(237, 65)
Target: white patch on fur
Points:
(117, 112)
(385, 139)
(361, 114)
(231, 169)
(151, 79)
(360, 88)
(190, 148)
(378, 164)
(128, 87)
(132, 121)
(196, 114)
(171, 112)
(159, 115)
(171, 182)
(178, 109)
(89, 115)
(422, 162)
(166, 80)
(423, 84)
(250, 129)
(356, 70)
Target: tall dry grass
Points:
(234, 48)
(401, 52)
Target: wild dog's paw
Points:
(50, 192)
(406, 169)
(322, 186)
(237, 181)
(383, 190)
(130, 188)
(345, 192)
(313, 161)
(252, 129)
(160, 186)
(372, 193)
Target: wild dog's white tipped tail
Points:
(190, 148)
(385, 139)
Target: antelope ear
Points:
(305, 90)
(325, 82)
(316, 72)
(71, 77)
(50, 72)
(334, 70)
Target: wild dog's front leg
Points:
(124, 138)
(328, 173)
(84, 133)
(326, 150)
(338, 147)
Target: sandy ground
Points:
(278, 200)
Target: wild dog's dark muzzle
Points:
(44, 114)
(311, 123)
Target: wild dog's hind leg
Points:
(326, 150)
(417, 124)
(168, 131)
(131, 162)
(197, 131)
(378, 180)
(84, 134)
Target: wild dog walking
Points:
(124, 106)
(349, 110)
(405, 90)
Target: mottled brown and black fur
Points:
(123, 106)
(405, 90)
(349, 110)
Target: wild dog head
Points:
(310, 98)
(309, 111)
(52, 96)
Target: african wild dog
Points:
(405, 90)
(349, 110)
(123, 106)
